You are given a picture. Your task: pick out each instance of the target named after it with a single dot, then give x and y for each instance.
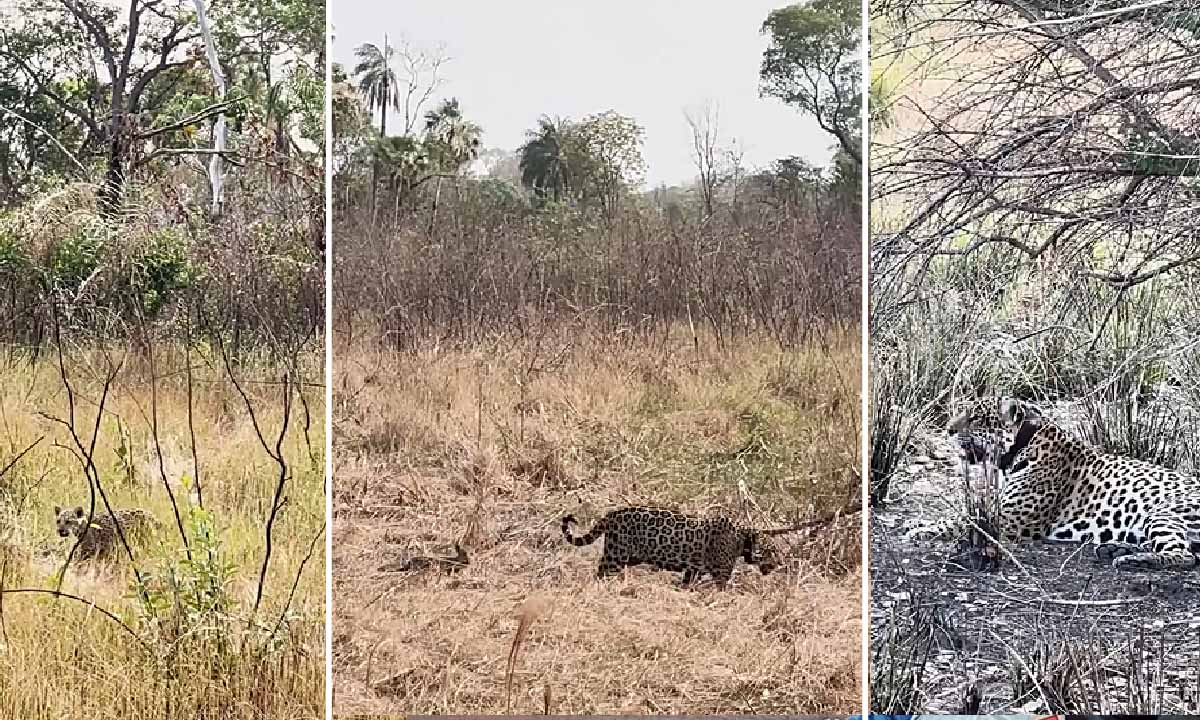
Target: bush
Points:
(77, 257)
(159, 268)
(186, 595)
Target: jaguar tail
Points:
(587, 539)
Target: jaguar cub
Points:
(100, 538)
(669, 540)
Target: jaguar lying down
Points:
(1139, 515)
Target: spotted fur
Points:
(668, 540)
(100, 538)
(1138, 515)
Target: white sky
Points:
(516, 60)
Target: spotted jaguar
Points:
(1138, 515)
(100, 538)
(669, 540)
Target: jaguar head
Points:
(985, 428)
(760, 550)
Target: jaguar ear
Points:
(57, 510)
(78, 512)
(1011, 411)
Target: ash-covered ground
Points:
(1052, 630)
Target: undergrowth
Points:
(180, 636)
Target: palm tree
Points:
(376, 81)
(544, 163)
(453, 140)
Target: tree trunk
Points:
(437, 196)
(114, 172)
(216, 170)
(382, 127)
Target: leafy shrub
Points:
(14, 261)
(77, 257)
(184, 594)
(160, 268)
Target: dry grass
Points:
(65, 658)
(489, 447)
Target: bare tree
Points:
(704, 123)
(420, 78)
(1068, 133)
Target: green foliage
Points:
(36, 63)
(609, 157)
(595, 161)
(1149, 153)
(160, 268)
(78, 256)
(1184, 20)
(288, 23)
(60, 68)
(191, 91)
(403, 160)
(497, 196)
(182, 595)
(846, 178)
(302, 94)
(352, 131)
(141, 274)
(892, 67)
(377, 80)
(451, 141)
(544, 158)
(115, 272)
(14, 260)
(812, 62)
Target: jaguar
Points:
(99, 539)
(672, 541)
(1055, 487)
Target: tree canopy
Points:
(91, 86)
(813, 63)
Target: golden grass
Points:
(446, 446)
(64, 658)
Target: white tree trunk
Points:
(216, 165)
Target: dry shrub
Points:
(836, 549)
(414, 284)
(544, 470)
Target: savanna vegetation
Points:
(1034, 176)
(161, 347)
(526, 332)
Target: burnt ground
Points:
(1051, 631)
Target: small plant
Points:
(124, 452)
(189, 590)
(14, 258)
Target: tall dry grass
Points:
(106, 653)
(489, 445)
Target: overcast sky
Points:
(516, 60)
